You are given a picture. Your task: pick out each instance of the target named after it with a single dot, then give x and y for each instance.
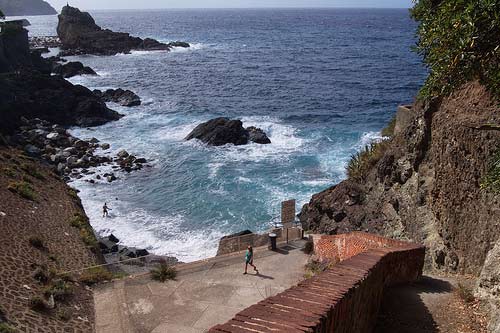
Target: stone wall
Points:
(345, 298)
(240, 243)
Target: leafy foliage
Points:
(362, 162)
(492, 179)
(24, 189)
(163, 272)
(459, 41)
(95, 275)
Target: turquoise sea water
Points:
(321, 82)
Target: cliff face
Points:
(426, 187)
(26, 7)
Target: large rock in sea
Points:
(119, 96)
(221, 131)
(72, 68)
(79, 34)
(30, 94)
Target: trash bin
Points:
(272, 239)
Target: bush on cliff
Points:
(492, 179)
(459, 41)
(363, 161)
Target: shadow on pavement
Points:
(403, 310)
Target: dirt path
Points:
(431, 305)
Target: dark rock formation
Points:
(257, 135)
(14, 49)
(426, 185)
(221, 131)
(30, 94)
(26, 7)
(241, 233)
(80, 34)
(119, 96)
(72, 68)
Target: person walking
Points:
(249, 260)
(105, 210)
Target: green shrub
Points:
(459, 41)
(60, 289)
(95, 275)
(6, 328)
(37, 242)
(388, 131)
(163, 272)
(64, 314)
(22, 188)
(315, 267)
(491, 181)
(31, 170)
(362, 162)
(78, 221)
(88, 237)
(9, 172)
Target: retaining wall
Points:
(345, 298)
(240, 243)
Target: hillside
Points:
(26, 7)
(44, 234)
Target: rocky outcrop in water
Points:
(221, 131)
(72, 68)
(79, 34)
(26, 7)
(119, 96)
(30, 94)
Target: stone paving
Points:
(204, 294)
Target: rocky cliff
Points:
(26, 7)
(424, 184)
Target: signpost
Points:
(287, 215)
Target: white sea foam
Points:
(161, 235)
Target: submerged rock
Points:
(221, 131)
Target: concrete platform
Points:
(205, 293)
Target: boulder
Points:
(220, 131)
(257, 135)
(119, 96)
(79, 34)
(122, 154)
(141, 252)
(112, 238)
(108, 246)
(32, 150)
(105, 146)
(72, 68)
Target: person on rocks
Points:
(105, 210)
(249, 260)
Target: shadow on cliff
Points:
(405, 308)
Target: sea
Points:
(322, 83)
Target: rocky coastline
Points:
(36, 110)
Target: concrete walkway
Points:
(205, 293)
